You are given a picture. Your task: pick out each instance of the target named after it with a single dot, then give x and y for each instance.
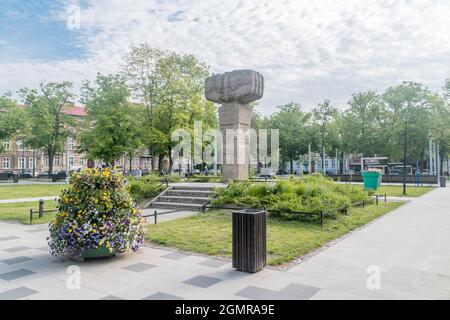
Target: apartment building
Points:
(19, 158)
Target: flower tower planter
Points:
(96, 217)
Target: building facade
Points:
(19, 158)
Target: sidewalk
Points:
(409, 246)
(20, 200)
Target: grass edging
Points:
(20, 212)
(287, 241)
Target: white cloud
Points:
(307, 50)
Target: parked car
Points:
(6, 175)
(26, 174)
(281, 172)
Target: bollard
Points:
(156, 217)
(249, 240)
(41, 208)
(31, 216)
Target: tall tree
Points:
(363, 124)
(410, 102)
(112, 126)
(440, 121)
(182, 100)
(325, 116)
(292, 123)
(142, 73)
(13, 122)
(49, 124)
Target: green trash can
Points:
(372, 180)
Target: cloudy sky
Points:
(307, 50)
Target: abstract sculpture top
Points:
(242, 86)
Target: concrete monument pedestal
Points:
(235, 90)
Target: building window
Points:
(118, 163)
(136, 161)
(6, 145)
(57, 161)
(70, 161)
(6, 163)
(82, 162)
(70, 140)
(32, 163)
(21, 145)
(22, 163)
(45, 161)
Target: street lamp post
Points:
(309, 159)
(22, 144)
(430, 148)
(405, 119)
(438, 160)
(404, 159)
(68, 155)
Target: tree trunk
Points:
(50, 163)
(153, 160)
(170, 161)
(160, 162)
(291, 163)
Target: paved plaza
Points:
(407, 251)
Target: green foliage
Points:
(292, 124)
(363, 124)
(12, 120)
(146, 187)
(309, 194)
(205, 179)
(48, 123)
(113, 125)
(170, 86)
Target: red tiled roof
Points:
(75, 111)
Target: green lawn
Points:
(210, 233)
(30, 191)
(397, 191)
(21, 212)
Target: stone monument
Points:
(235, 90)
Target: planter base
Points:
(100, 252)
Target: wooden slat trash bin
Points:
(249, 240)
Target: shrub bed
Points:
(146, 187)
(309, 194)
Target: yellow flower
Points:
(70, 230)
(94, 231)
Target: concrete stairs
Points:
(189, 198)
